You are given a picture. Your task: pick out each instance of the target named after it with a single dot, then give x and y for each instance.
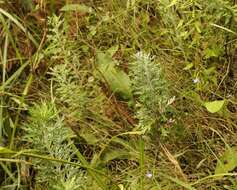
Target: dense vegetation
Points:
(118, 94)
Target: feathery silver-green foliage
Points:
(46, 133)
(69, 92)
(196, 39)
(56, 37)
(73, 86)
(150, 86)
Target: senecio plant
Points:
(46, 133)
(151, 88)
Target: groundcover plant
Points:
(118, 94)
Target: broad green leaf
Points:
(89, 137)
(214, 106)
(188, 66)
(213, 51)
(113, 50)
(77, 7)
(121, 187)
(116, 154)
(227, 162)
(195, 97)
(210, 53)
(117, 79)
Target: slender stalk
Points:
(141, 162)
(4, 63)
(85, 163)
(44, 157)
(25, 92)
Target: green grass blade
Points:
(85, 163)
(179, 182)
(29, 81)
(14, 76)
(141, 162)
(4, 63)
(5, 13)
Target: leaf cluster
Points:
(150, 87)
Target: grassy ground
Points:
(127, 95)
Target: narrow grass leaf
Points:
(5, 13)
(90, 171)
(179, 182)
(223, 28)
